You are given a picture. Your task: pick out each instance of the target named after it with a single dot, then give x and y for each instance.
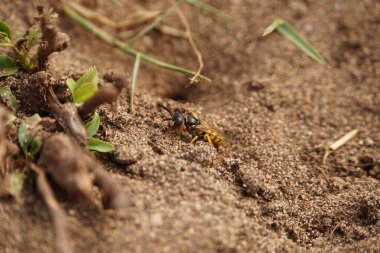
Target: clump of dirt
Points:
(267, 189)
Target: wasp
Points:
(184, 120)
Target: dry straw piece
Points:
(340, 142)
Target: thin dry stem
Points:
(172, 31)
(340, 142)
(56, 212)
(190, 38)
(131, 22)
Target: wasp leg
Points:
(194, 139)
(209, 139)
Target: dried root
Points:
(56, 212)
(75, 171)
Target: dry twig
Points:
(183, 19)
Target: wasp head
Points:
(176, 119)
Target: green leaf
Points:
(9, 98)
(7, 66)
(84, 92)
(71, 84)
(93, 125)
(4, 28)
(91, 76)
(291, 34)
(100, 146)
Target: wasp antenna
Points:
(165, 108)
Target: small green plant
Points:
(30, 143)
(95, 144)
(285, 29)
(85, 87)
(24, 50)
(81, 90)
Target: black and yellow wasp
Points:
(184, 120)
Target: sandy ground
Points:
(267, 190)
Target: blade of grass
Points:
(291, 34)
(133, 82)
(155, 23)
(121, 45)
(209, 8)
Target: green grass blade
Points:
(154, 24)
(209, 8)
(93, 125)
(276, 23)
(291, 34)
(121, 45)
(133, 82)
